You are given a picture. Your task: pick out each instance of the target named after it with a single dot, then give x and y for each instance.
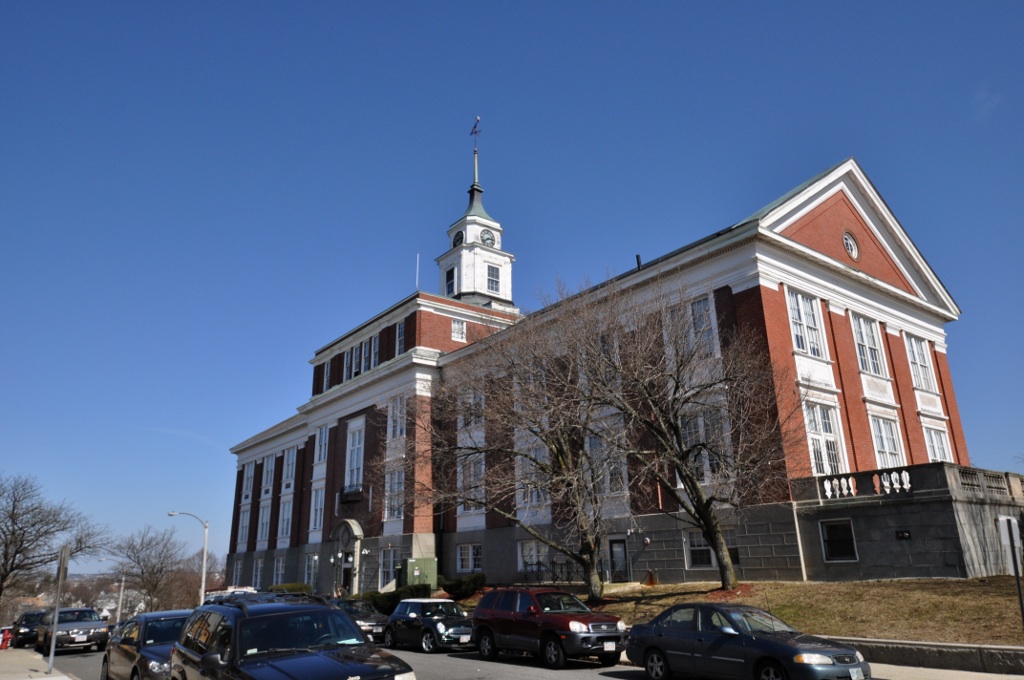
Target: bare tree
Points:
(181, 592)
(33, 530)
(149, 559)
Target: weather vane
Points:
(475, 132)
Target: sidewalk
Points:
(21, 664)
(881, 671)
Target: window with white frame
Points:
(375, 351)
(394, 493)
(268, 470)
(609, 467)
(704, 441)
(288, 473)
(388, 562)
(493, 279)
(357, 360)
(869, 348)
(920, 363)
(701, 554)
(400, 338)
(837, 541)
(533, 487)
(533, 556)
(236, 573)
(701, 327)
(309, 575)
(327, 375)
(322, 440)
(367, 356)
(459, 330)
(804, 320)
(248, 472)
(472, 469)
(449, 282)
(887, 442)
(354, 467)
(396, 417)
(284, 524)
(316, 518)
(348, 364)
(938, 448)
(257, 573)
(472, 411)
(243, 526)
(470, 557)
(263, 523)
(278, 571)
(823, 439)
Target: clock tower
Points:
(475, 269)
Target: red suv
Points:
(550, 623)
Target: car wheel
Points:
(103, 671)
(486, 647)
(389, 638)
(608, 660)
(428, 643)
(655, 665)
(771, 670)
(552, 653)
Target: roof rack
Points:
(243, 600)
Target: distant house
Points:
(880, 483)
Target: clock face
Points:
(457, 241)
(487, 237)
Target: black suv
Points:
(275, 635)
(24, 629)
(139, 649)
(550, 623)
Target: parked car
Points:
(23, 630)
(737, 641)
(369, 620)
(429, 623)
(140, 648)
(269, 636)
(78, 628)
(550, 623)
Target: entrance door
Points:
(619, 560)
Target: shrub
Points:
(292, 588)
(386, 602)
(461, 588)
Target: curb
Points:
(948, 656)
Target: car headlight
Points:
(577, 627)
(23, 630)
(620, 626)
(405, 676)
(157, 668)
(860, 657)
(814, 659)
(441, 628)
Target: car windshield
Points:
(758, 621)
(560, 602)
(164, 631)
(358, 607)
(431, 609)
(32, 617)
(78, 615)
(297, 630)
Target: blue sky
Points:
(196, 196)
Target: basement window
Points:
(837, 541)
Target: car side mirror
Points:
(412, 615)
(212, 661)
(728, 630)
(532, 610)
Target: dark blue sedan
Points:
(737, 641)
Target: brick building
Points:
(880, 486)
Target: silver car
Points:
(737, 641)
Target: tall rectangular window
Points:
(348, 364)
(396, 417)
(394, 494)
(309, 575)
(823, 439)
(284, 523)
(288, 473)
(278, 571)
(263, 526)
(354, 469)
(938, 449)
(458, 330)
(699, 551)
(375, 351)
(869, 348)
(472, 488)
(705, 443)
(243, 526)
(257, 573)
(449, 282)
(247, 474)
(400, 338)
(268, 470)
(703, 332)
(837, 541)
(236, 573)
(470, 557)
(322, 439)
(533, 556)
(533, 487)
(493, 279)
(887, 443)
(357, 360)
(316, 520)
(327, 375)
(805, 324)
(388, 560)
(920, 364)
(367, 358)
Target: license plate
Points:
(610, 647)
(378, 629)
(81, 638)
(856, 674)
(463, 639)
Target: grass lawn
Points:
(970, 611)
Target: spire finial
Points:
(475, 133)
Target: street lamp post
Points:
(206, 540)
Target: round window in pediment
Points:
(850, 244)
